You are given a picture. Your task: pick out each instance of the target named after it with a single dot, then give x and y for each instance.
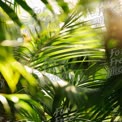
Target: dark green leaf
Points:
(10, 12)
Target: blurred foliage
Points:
(59, 72)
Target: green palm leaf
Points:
(11, 13)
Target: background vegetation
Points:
(57, 73)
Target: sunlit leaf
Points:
(5, 104)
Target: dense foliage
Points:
(57, 73)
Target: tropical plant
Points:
(60, 75)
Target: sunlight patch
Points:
(71, 88)
(15, 99)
